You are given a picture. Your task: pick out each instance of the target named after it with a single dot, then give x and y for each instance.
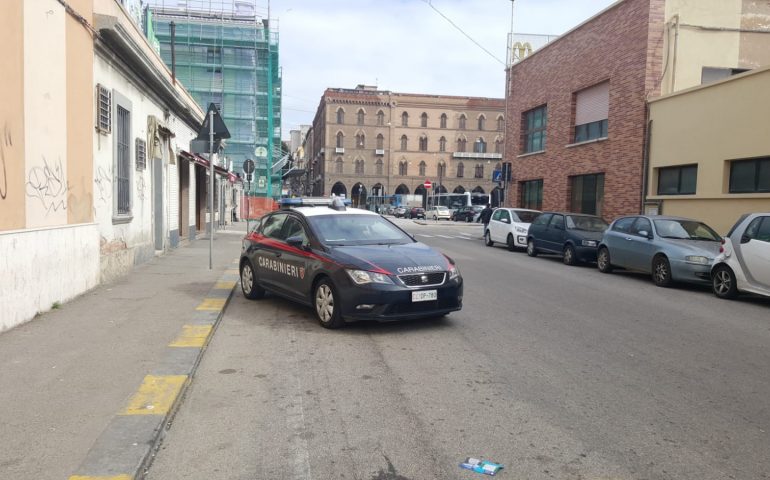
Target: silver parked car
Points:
(671, 249)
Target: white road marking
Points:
(444, 236)
(424, 235)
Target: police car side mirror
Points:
(296, 241)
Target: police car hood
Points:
(395, 259)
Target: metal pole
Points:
(211, 190)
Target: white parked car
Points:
(510, 226)
(743, 264)
(439, 213)
(399, 212)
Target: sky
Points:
(405, 45)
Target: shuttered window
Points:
(592, 107)
(123, 161)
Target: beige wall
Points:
(709, 126)
(12, 116)
(81, 115)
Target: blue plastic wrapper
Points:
(481, 466)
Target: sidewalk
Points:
(80, 381)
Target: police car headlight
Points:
(362, 277)
(454, 272)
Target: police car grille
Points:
(423, 279)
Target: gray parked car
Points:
(671, 249)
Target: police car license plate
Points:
(424, 295)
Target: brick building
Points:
(578, 106)
(366, 141)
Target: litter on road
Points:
(481, 466)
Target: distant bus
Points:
(381, 203)
(453, 201)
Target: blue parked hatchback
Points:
(669, 248)
(575, 236)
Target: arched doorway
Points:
(459, 189)
(358, 195)
(377, 200)
(402, 190)
(478, 189)
(378, 190)
(421, 191)
(339, 189)
(441, 189)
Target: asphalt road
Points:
(554, 371)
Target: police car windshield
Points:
(356, 230)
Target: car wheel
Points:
(488, 239)
(569, 258)
(603, 260)
(251, 289)
(661, 271)
(467, 219)
(510, 243)
(724, 283)
(326, 304)
(531, 250)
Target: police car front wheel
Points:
(251, 290)
(327, 305)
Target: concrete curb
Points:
(127, 446)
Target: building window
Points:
(338, 165)
(404, 119)
(587, 194)
(360, 117)
(123, 161)
(140, 148)
(443, 120)
(750, 176)
(340, 115)
(462, 122)
(104, 109)
(677, 180)
(378, 166)
(500, 124)
(534, 123)
(380, 118)
(404, 142)
(531, 194)
(482, 122)
(423, 143)
(422, 169)
(360, 167)
(592, 107)
(498, 146)
(402, 168)
(442, 144)
(424, 120)
(360, 140)
(479, 171)
(461, 142)
(214, 55)
(380, 141)
(480, 146)
(712, 74)
(460, 170)
(340, 140)
(441, 170)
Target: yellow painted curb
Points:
(233, 271)
(211, 304)
(224, 285)
(192, 336)
(156, 395)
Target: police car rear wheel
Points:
(251, 290)
(327, 307)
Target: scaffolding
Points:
(226, 53)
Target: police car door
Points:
(267, 250)
(292, 273)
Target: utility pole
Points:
(508, 66)
(211, 189)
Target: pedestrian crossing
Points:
(462, 236)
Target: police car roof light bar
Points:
(313, 202)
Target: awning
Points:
(205, 163)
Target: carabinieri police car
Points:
(347, 264)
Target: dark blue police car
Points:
(347, 264)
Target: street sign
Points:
(260, 152)
(497, 176)
(248, 166)
(427, 184)
(261, 182)
(220, 130)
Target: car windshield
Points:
(526, 217)
(442, 209)
(686, 230)
(336, 230)
(586, 223)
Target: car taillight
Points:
(722, 246)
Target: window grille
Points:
(103, 109)
(123, 172)
(141, 154)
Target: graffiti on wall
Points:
(140, 187)
(103, 185)
(5, 142)
(47, 184)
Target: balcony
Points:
(379, 151)
(339, 150)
